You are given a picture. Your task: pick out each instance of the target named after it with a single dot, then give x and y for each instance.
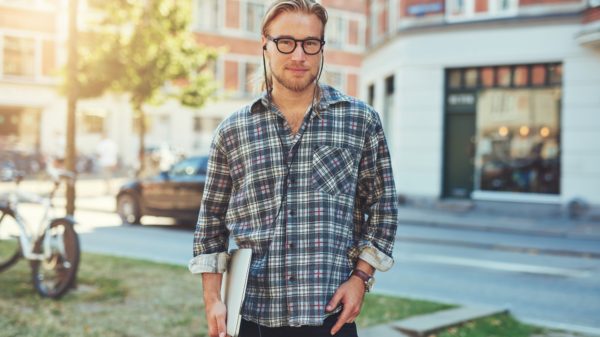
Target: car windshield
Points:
(190, 167)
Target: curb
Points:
(496, 229)
(424, 325)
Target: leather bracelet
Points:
(361, 275)
(367, 279)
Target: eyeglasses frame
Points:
(277, 39)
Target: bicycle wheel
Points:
(54, 276)
(10, 249)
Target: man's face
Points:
(295, 71)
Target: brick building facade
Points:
(489, 100)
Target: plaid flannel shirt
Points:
(307, 204)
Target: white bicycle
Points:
(52, 248)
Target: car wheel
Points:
(128, 208)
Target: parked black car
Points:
(175, 193)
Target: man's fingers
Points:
(221, 327)
(344, 317)
(335, 300)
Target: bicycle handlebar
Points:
(59, 174)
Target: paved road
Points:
(549, 281)
(544, 280)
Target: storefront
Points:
(502, 131)
(487, 112)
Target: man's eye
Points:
(286, 42)
(311, 43)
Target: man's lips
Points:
(297, 70)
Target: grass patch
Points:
(502, 325)
(379, 309)
(114, 297)
(127, 297)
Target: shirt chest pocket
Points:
(332, 169)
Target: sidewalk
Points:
(558, 226)
(91, 197)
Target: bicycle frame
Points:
(29, 237)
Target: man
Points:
(302, 176)
(107, 153)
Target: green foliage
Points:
(137, 47)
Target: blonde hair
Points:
(302, 6)
(281, 6)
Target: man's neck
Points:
(292, 102)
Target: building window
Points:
(93, 121)
(254, 15)
(19, 56)
(336, 32)
(206, 125)
(148, 124)
(371, 94)
(29, 4)
(388, 103)
(480, 9)
(250, 78)
(208, 14)
(334, 79)
(379, 24)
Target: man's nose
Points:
(298, 53)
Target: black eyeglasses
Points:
(287, 45)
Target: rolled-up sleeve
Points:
(211, 236)
(375, 211)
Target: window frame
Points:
(470, 15)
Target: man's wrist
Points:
(367, 279)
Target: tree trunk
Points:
(142, 132)
(72, 105)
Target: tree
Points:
(137, 47)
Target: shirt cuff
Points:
(376, 258)
(209, 263)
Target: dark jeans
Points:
(251, 329)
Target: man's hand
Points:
(351, 294)
(216, 313)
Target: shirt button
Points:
(292, 213)
(290, 245)
(291, 279)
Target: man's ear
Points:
(263, 42)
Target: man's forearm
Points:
(364, 266)
(211, 286)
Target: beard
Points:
(295, 85)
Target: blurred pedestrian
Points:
(107, 153)
(303, 177)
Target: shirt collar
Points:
(329, 97)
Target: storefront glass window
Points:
(454, 79)
(521, 76)
(538, 75)
(518, 140)
(487, 77)
(471, 78)
(555, 74)
(504, 76)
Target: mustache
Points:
(297, 66)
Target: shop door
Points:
(459, 152)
